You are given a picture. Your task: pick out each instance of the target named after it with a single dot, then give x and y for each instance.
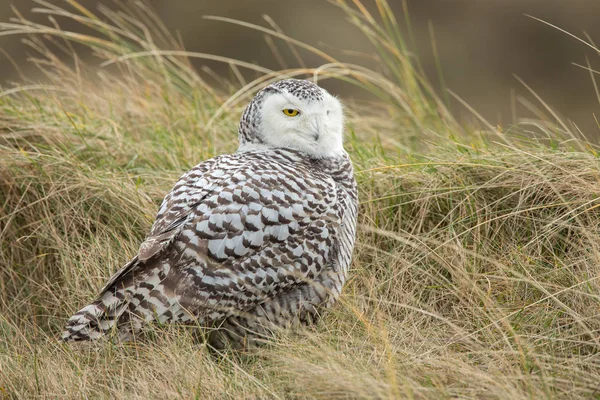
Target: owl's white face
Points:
(314, 127)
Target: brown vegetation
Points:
(477, 268)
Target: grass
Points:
(476, 271)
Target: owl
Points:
(249, 242)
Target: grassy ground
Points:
(476, 272)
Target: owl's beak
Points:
(316, 127)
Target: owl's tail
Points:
(109, 310)
(124, 305)
(96, 319)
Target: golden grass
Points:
(476, 272)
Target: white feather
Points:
(317, 130)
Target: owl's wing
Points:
(245, 223)
(191, 188)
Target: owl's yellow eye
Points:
(291, 112)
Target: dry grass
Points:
(477, 268)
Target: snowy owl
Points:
(245, 242)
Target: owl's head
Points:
(294, 114)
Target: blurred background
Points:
(482, 44)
